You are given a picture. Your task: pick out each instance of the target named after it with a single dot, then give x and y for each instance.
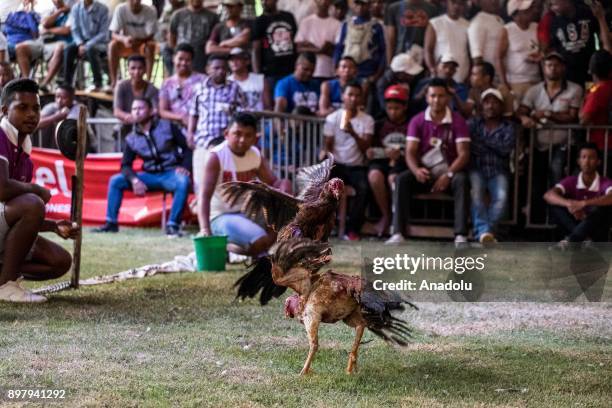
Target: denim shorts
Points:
(239, 229)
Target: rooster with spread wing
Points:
(312, 214)
(330, 297)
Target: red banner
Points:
(54, 172)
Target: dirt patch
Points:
(453, 319)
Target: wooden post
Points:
(77, 194)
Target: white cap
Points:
(448, 58)
(405, 63)
(492, 91)
(518, 5)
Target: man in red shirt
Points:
(597, 108)
(25, 254)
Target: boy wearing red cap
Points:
(386, 154)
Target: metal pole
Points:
(77, 192)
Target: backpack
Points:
(357, 40)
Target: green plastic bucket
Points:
(211, 253)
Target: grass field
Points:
(181, 340)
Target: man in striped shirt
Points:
(215, 100)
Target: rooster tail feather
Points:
(259, 278)
(377, 308)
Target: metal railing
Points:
(576, 134)
(290, 142)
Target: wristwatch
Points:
(450, 174)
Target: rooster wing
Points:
(296, 263)
(261, 201)
(311, 179)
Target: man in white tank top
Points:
(236, 159)
(518, 55)
(448, 35)
(256, 90)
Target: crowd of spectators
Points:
(417, 95)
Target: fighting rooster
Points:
(330, 297)
(312, 214)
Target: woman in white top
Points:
(448, 35)
(518, 55)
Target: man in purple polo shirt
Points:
(580, 204)
(23, 252)
(437, 152)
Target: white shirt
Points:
(346, 151)
(253, 88)
(521, 43)
(4, 47)
(141, 25)
(299, 8)
(232, 168)
(483, 34)
(318, 31)
(452, 38)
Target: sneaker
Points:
(93, 88)
(107, 227)
(173, 231)
(237, 258)
(460, 239)
(396, 238)
(12, 291)
(108, 90)
(560, 246)
(351, 236)
(487, 238)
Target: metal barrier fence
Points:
(561, 158)
(290, 142)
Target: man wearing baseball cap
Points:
(231, 33)
(446, 69)
(493, 138)
(518, 55)
(386, 158)
(254, 86)
(404, 70)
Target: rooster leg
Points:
(352, 361)
(312, 329)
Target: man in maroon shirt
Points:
(581, 204)
(23, 252)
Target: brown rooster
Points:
(312, 214)
(330, 297)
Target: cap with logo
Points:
(396, 92)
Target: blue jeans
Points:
(485, 218)
(239, 229)
(168, 180)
